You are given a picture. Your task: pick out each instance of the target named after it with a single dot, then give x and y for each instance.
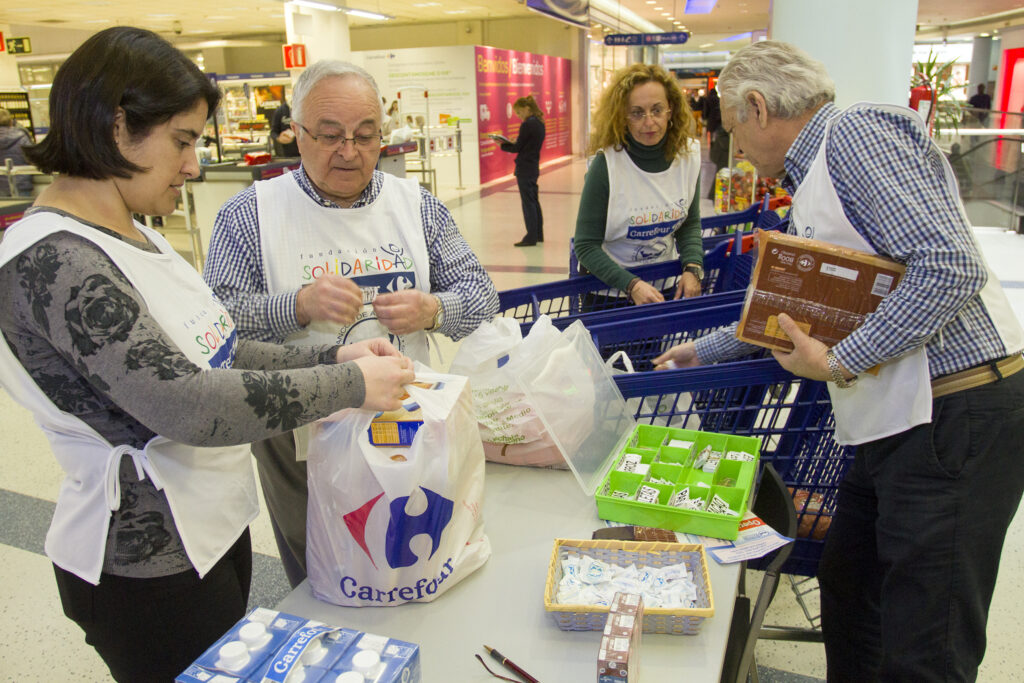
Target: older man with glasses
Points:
(336, 252)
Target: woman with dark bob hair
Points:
(133, 369)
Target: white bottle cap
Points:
(365, 661)
(297, 675)
(254, 635)
(315, 651)
(233, 656)
(350, 677)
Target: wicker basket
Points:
(677, 621)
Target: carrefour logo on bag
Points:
(402, 528)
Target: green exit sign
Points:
(19, 46)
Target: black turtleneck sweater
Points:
(593, 215)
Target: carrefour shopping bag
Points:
(509, 399)
(396, 500)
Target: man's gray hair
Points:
(788, 78)
(327, 68)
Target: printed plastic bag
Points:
(665, 410)
(494, 358)
(393, 524)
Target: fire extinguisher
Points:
(919, 93)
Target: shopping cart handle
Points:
(766, 370)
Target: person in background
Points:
(911, 557)
(281, 132)
(718, 138)
(392, 119)
(982, 104)
(12, 139)
(641, 196)
(336, 251)
(527, 148)
(135, 371)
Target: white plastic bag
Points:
(665, 410)
(493, 358)
(389, 525)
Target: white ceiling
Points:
(203, 20)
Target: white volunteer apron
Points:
(381, 247)
(645, 209)
(900, 396)
(211, 491)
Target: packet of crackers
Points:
(826, 289)
(398, 427)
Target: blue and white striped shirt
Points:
(234, 266)
(892, 185)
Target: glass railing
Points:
(985, 150)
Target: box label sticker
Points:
(838, 271)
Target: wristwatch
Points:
(438, 316)
(696, 269)
(836, 372)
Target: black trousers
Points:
(152, 629)
(910, 562)
(529, 195)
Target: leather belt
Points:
(977, 376)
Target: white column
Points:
(980, 72)
(867, 46)
(324, 33)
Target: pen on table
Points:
(509, 664)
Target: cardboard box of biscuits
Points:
(826, 289)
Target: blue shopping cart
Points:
(792, 417)
(714, 229)
(727, 267)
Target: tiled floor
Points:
(38, 644)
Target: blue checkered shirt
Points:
(892, 185)
(234, 266)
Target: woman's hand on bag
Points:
(689, 285)
(384, 378)
(681, 356)
(368, 347)
(645, 293)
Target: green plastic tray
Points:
(732, 481)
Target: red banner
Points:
(502, 77)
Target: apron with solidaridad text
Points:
(899, 396)
(211, 491)
(381, 247)
(645, 209)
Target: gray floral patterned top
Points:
(86, 337)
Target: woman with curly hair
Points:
(135, 373)
(640, 201)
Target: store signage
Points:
(19, 46)
(294, 55)
(674, 37)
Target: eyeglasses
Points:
(656, 112)
(333, 140)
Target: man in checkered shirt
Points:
(910, 561)
(335, 252)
